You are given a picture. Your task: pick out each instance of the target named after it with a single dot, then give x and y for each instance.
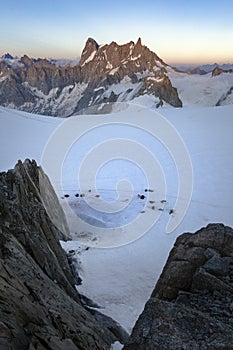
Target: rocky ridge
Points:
(106, 73)
(191, 306)
(218, 70)
(39, 305)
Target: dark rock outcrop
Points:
(39, 86)
(217, 71)
(161, 87)
(191, 306)
(39, 305)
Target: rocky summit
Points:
(39, 305)
(191, 306)
(106, 73)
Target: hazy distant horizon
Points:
(193, 32)
(77, 58)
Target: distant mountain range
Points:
(106, 73)
(59, 62)
(202, 69)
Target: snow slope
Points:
(202, 90)
(23, 135)
(120, 279)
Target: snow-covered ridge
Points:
(203, 90)
(52, 86)
(12, 62)
(15, 62)
(105, 66)
(62, 104)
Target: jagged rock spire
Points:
(139, 42)
(137, 48)
(26, 61)
(90, 47)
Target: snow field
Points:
(121, 279)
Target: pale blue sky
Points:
(178, 31)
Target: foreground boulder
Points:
(39, 305)
(191, 306)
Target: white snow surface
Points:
(113, 71)
(125, 89)
(116, 346)
(201, 90)
(121, 279)
(135, 58)
(13, 62)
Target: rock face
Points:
(191, 306)
(218, 71)
(106, 73)
(39, 305)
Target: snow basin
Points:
(121, 275)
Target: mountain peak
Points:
(89, 50)
(133, 67)
(138, 48)
(7, 56)
(26, 61)
(91, 41)
(139, 42)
